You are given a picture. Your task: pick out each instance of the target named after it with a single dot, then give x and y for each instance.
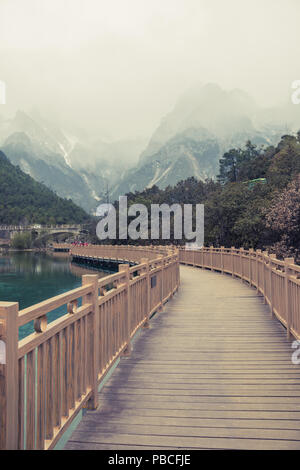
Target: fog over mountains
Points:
(204, 123)
(74, 168)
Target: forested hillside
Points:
(255, 201)
(24, 200)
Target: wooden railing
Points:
(119, 252)
(278, 281)
(50, 375)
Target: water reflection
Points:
(29, 278)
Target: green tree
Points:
(21, 241)
(229, 166)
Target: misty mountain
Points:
(73, 169)
(103, 164)
(205, 122)
(37, 158)
(192, 152)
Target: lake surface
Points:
(29, 278)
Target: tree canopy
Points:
(240, 214)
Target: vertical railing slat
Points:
(30, 401)
(49, 389)
(21, 409)
(41, 373)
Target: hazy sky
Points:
(118, 66)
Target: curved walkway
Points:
(213, 371)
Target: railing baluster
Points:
(30, 401)
(57, 379)
(272, 257)
(49, 389)
(287, 262)
(21, 404)
(148, 287)
(41, 373)
(125, 268)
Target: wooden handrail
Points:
(50, 375)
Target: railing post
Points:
(222, 259)
(93, 298)
(211, 257)
(178, 271)
(147, 270)
(266, 254)
(241, 262)
(9, 376)
(232, 249)
(125, 268)
(287, 262)
(258, 252)
(162, 282)
(250, 251)
(271, 283)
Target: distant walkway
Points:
(214, 371)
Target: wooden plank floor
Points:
(214, 371)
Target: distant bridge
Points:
(8, 231)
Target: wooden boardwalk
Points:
(214, 371)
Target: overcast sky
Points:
(118, 66)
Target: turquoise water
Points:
(29, 278)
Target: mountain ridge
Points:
(205, 122)
(189, 141)
(24, 200)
